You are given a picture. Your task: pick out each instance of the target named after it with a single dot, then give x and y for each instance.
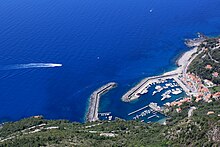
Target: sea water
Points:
(126, 110)
(95, 41)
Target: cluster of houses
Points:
(180, 102)
(202, 91)
(214, 74)
(199, 88)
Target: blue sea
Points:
(96, 41)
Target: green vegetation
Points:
(210, 56)
(200, 129)
(214, 89)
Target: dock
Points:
(137, 110)
(155, 115)
(105, 114)
(92, 114)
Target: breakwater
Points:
(92, 114)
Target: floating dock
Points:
(92, 114)
(155, 115)
(138, 110)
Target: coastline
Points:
(182, 65)
(142, 87)
(182, 61)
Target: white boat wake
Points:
(31, 65)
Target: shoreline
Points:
(141, 87)
(92, 114)
(182, 61)
(182, 65)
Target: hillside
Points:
(199, 129)
(207, 64)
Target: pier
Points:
(137, 110)
(105, 114)
(92, 114)
(155, 115)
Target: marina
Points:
(142, 114)
(150, 106)
(144, 85)
(157, 91)
(153, 111)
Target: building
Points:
(216, 95)
(208, 66)
(215, 74)
(208, 83)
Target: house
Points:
(210, 112)
(208, 66)
(216, 95)
(208, 83)
(178, 110)
(215, 74)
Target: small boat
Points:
(165, 87)
(165, 97)
(177, 91)
(154, 92)
(157, 87)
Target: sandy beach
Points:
(183, 61)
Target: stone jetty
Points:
(92, 114)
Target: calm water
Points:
(96, 41)
(120, 109)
